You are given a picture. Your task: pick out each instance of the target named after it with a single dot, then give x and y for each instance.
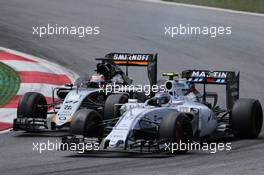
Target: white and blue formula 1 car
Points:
(32, 111)
(180, 114)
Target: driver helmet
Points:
(163, 98)
(104, 69)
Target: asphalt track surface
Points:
(133, 26)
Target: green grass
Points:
(9, 83)
(241, 5)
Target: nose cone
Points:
(61, 120)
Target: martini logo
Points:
(131, 57)
(209, 74)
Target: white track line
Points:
(5, 131)
(45, 89)
(29, 66)
(203, 7)
(53, 66)
(8, 114)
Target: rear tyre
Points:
(110, 109)
(32, 105)
(87, 122)
(176, 128)
(247, 118)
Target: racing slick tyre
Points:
(176, 129)
(110, 109)
(246, 118)
(32, 105)
(87, 122)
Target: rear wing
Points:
(228, 78)
(135, 59)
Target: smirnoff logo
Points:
(131, 57)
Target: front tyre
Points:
(176, 128)
(32, 105)
(87, 122)
(247, 118)
(110, 109)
